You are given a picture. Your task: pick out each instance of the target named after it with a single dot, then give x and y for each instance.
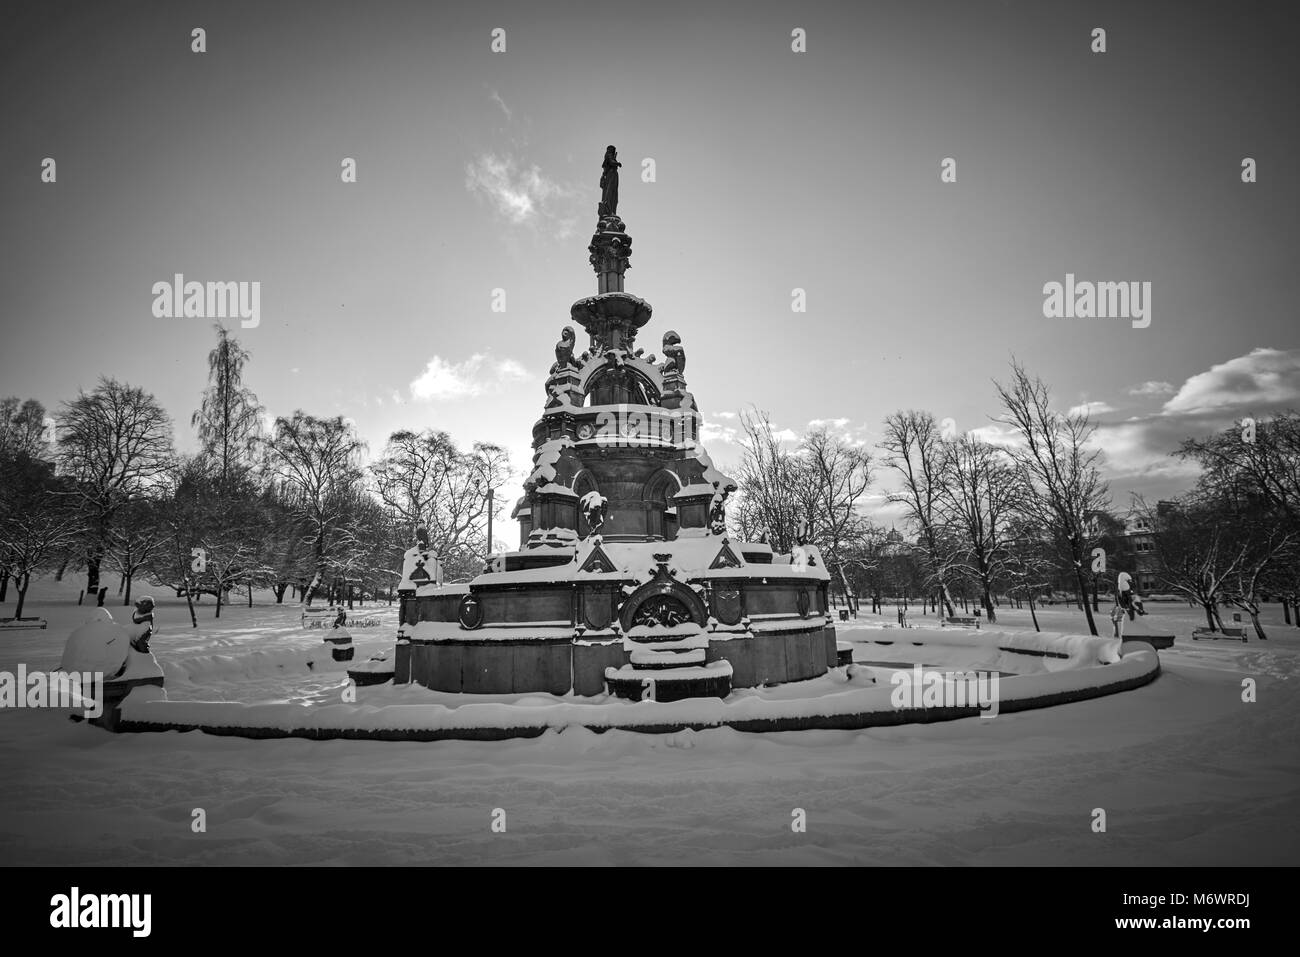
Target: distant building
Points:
(895, 544)
(1139, 546)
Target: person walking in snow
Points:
(1126, 598)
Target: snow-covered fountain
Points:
(625, 579)
(627, 605)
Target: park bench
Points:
(962, 621)
(324, 618)
(11, 623)
(319, 617)
(1156, 641)
(1235, 634)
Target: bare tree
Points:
(977, 501)
(767, 505)
(36, 520)
(1059, 470)
(22, 427)
(317, 464)
(425, 479)
(115, 442)
(835, 476)
(1260, 458)
(914, 449)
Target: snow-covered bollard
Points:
(377, 670)
(103, 648)
(339, 639)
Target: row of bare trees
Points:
(101, 487)
(1026, 516)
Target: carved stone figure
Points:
(674, 354)
(564, 350)
(593, 510)
(609, 184)
(718, 511)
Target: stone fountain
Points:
(625, 580)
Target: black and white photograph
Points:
(359, 505)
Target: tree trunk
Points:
(1032, 613)
(189, 600)
(279, 590)
(4, 587)
(988, 604)
(129, 579)
(1209, 615)
(63, 567)
(848, 593)
(1087, 609)
(92, 573)
(250, 594)
(1254, 620)
(1286, 609)
(21, 586)
(218, 591)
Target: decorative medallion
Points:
(663, 601)
(666, 611)
(470, 612)
(803, 601)
(586, 430)
(597, 608)
(726, 604)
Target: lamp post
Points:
(491, 497)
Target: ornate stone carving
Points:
(564, 350)
(593, 510)
(674, 354)
(718, 511)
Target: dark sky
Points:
(775, 170)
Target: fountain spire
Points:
(611, 246)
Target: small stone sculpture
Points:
(564, 350)
(674, 354)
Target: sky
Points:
(775, 170)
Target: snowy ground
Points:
(1187, 773)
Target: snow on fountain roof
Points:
(545, 459)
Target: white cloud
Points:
(997, 433)
(725, 415)
(1092, 409)
(1153, 387)
(496, 98)
(477, 375)
(1262, 382)
(836, 424)
(520, 192)
(717, 434)
(1262, 378)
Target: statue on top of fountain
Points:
(609, 184)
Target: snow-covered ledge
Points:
(852, 700)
